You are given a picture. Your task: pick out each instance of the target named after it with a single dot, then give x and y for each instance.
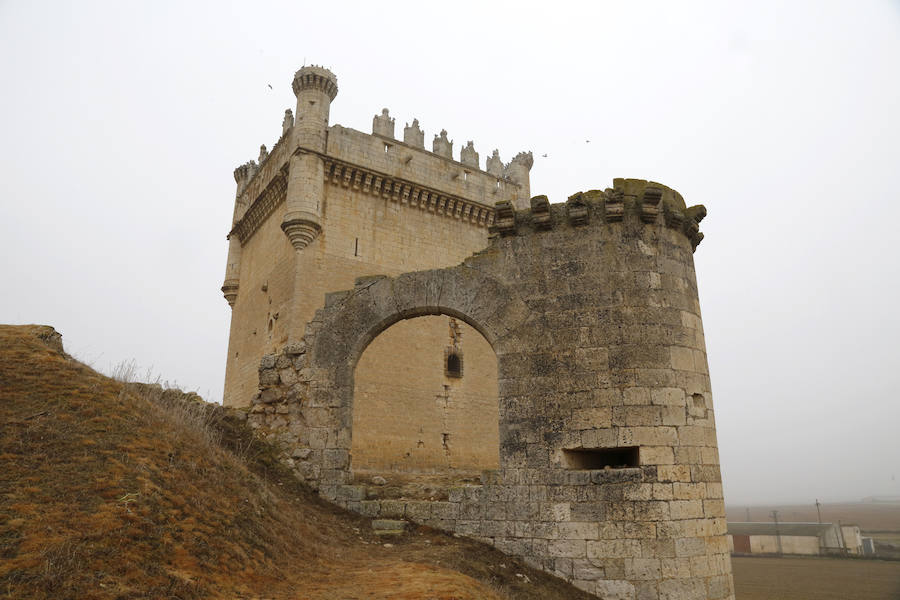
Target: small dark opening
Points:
(454, 365)
(601, 458)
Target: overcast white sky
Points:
(122, 122)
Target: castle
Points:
(429, 343)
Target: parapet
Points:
(494, 165)
(315, 77)
(442, 146)
(525, 159)
(244, 173)
(383, 124)
(369, 162)
(633, 200)
(468, 156)
(287, 122)
(413, 134)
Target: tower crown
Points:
(317, 78)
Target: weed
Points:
(115, 488)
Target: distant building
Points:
(881, 500)
(794, 538)
(868, 546)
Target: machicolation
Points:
(429, 343)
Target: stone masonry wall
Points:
(410, 416)
(383, 206)
(609, 472)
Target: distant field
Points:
(869, 516)
(815, 579)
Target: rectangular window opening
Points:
(453, 363)
(601, 458)
(386, 148)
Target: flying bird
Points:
(270, 86)
(543, 156)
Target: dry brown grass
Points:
(119, 491)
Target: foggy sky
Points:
(122, 123)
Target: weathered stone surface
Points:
(608, 471)
(388, 524)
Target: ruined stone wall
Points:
(609, 470)
(258, 320)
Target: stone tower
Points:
(329, 204)
(609, 470)
(588, 406)
(315, 88)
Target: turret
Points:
(315, 88)
(518, 170)
(242, 176)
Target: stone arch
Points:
(352, 319)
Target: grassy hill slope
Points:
(112, 490)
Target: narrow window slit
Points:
(453, 365)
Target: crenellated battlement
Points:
(393, 159)
(414, 136)
(244, 173)
(253, 180)
(315, 77)
(525, 159)
(633, 200)
(378, 164)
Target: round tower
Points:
(242, 175)
(609, 470)
(519, 170)
(315, 88)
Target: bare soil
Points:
(757, 578)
